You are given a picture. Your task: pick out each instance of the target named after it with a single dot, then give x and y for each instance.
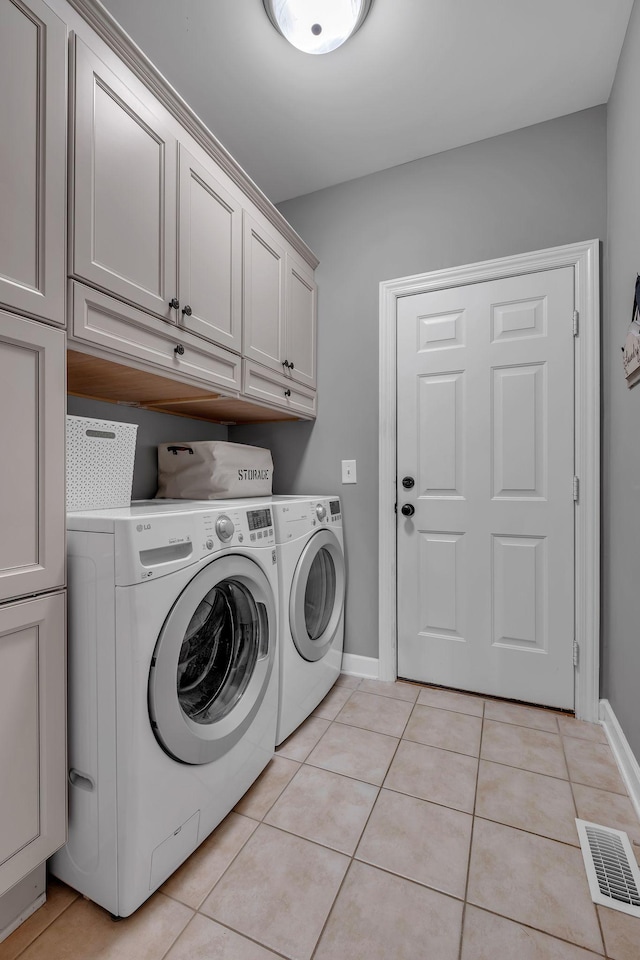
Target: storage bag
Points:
(100, 458)
(213, 470)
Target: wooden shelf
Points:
(98, 379)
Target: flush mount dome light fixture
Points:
(317, 26)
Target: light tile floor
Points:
(399, 821)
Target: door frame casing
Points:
(585, 259)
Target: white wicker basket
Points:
(100, 456)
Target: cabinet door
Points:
(33, 815)
(32, 440)
(301, 322)
(33, 114)
(264, 278)
(210, 256)
(124, 191)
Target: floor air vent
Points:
(612, 871)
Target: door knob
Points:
(408, 482)
(174, 304)
(179, 350)
(287, 392)
(408, 510)
(187, 311)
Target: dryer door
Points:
(213, 660)
(317, 595)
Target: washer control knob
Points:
(209, 544)
(321, 511)
(224, 528)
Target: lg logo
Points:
(143, 526)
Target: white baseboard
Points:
(629, 767)
(357, 666)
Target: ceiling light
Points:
(317, 26)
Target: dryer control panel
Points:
(298, 518)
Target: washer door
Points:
(213, 659)
(317, 595)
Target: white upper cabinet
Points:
(210, 256)
(301, 314)
(280, 306)
(32, 159)
(164, 227)
(124, 216)
(264, 304)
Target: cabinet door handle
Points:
(187, 311)
(287, 392)
(285, 363)
(174, 304)
(179, 350)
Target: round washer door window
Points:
(213, 660)
(317, 595)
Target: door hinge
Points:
(576, 653)
(576, 488)
(395, 508)
(576, 322)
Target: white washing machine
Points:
(173, 686)
(312, 578)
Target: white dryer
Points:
(173, 686)
(312, 578)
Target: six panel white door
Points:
(124, 191)
(33, 121)
(485, 427)
(210, 249)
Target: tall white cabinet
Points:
(33, 62)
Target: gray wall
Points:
(153, 428)
(621, 449)
(537, 187)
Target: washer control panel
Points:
(152, 545)
(236, 526)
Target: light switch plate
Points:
(349, 471)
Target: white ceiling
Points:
(421, 76)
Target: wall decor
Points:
(631, 349)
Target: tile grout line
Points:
(175, 940)
(473, 822)
(236, 854)
(545, 933)
(575, 807)
(353, 856)
(243, 936)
